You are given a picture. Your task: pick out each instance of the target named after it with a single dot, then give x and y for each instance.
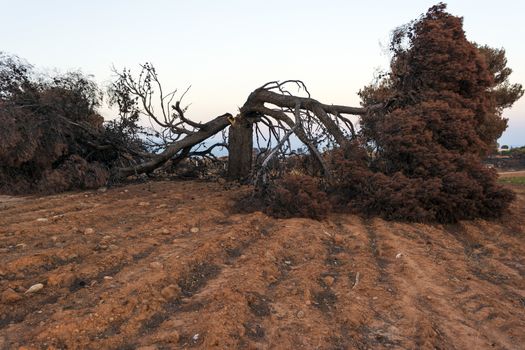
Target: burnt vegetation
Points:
(415, 153)
(419, 156)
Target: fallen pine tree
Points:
(423, 128)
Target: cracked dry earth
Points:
(169, 265)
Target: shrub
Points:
(295, 195)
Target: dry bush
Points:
(419, 158)
(74, 173)
(444, 98)
(297, 195)
(294, 195)
(49, 126)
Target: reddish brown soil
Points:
(507, 174)
(169, 266)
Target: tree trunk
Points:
(240, 149)
(206, 131)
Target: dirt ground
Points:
(507, 174)
(167, 265)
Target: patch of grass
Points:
(517, 180)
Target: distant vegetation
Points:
(516, 180)
(515, 151)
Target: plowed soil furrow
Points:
(168, 265)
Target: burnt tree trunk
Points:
(240, 146)
(205, 131)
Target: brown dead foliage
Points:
(50, 131)
(420, 157)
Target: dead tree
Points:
(240, 140)
(314, 123)
(172, 135)
(271, 110)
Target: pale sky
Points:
(227, 48)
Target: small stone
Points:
(41, 219)
(170, 292)
(113, 247)
(338, 239)
(221, 181)
(156, 265)
(10, 296)
(160, 206)
(143, 204)
(54, 238)
(328, 280)
(108, 278)
(375, 298)
(399, 255)
(194, 230)
(165, 231)
(126, 191)
(89, 231)
(61, 279)
(106, 238)
(21, 245)
(102, 189)
(148, 347)
(300, 314)
(195, 337)
(34, 288)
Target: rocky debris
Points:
(61, 279)
(156, 265)
(328, 280)
(170, 292)
(148, 347)
(34, 288)
(89, 231)
(194, 230)
(143, 204)
(42, 220)
(339, 239)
